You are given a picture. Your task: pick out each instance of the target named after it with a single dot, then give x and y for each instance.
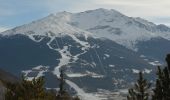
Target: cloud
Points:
(130, 7)
(23, 11)
(142, 8)
(134, 8)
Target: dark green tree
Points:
(62, 82)
(28, 90)
(63, 94)
(35, 90)
(162, 88)
(141, 89)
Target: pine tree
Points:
(34, 90)
(63, 94)
(28, 90)
(168, 60)
(158, 91)
(62, 82)
(162, 89)
(140, 90)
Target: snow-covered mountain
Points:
(101, 50)
(110, 24)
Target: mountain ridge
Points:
(99, 23)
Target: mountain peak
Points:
(103, 11)
(64, 13)
(101, 22)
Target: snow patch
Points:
(107, 55)
(135, 71)
(80, 92)
(39, 69)
(73, 75)
(142, 56)
(94, 75)
(155, 63)
(147, 71)
(121, 57)
(111, 65)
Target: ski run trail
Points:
(65, 60)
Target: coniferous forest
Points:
(142, 89)
(35, 90)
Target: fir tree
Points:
(63, 94)
(140, 90)
(28, 90)
(34, 90)
(158, 91)
(62, 82)
(162, 89)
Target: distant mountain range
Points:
(100, 50)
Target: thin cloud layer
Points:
(18, 12)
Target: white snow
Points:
(111, 65)
(155, 63)
(65, 59)
(72, 75)
(147, 71)
(107, 55)
(94, 75)
(123, 91)
(39, 69)
(80, 92)
(84, 44)
(111, 95)
(99, 23)
(121, 57)
(86, 73)
(32, 38)
(26, 72)
(142, 56)
(94, 64)
(135, 71)
(146, 59)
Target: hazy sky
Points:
(17, 12)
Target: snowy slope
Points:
(52, 25)
(101, 23)
(122, 29)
